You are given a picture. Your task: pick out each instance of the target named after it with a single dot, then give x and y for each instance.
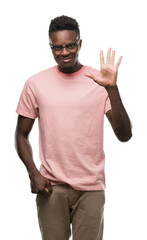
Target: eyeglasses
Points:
(69, 46)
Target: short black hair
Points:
(63, 23)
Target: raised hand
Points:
(108, 73)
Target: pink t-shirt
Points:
(70, 110)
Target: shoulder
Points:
(40, 76)
(37, 80)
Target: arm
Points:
(118, 116)
(107, 78)
(24, 150)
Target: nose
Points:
(64, 52)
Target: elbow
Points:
(124, 137)
(123, 134)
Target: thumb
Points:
(90, 76)
(48, 186)
(46, 189)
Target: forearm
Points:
(121, 123)
(24, 151)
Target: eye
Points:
(70, 46)
(57, 48)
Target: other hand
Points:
(40, 184)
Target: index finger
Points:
(101, 57)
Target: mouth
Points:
(66, 60)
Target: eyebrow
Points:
(61, 44)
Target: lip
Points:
(66, 60)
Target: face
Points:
(67, 59)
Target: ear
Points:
(80, 44)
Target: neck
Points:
(73, 69)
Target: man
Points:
(70, 101)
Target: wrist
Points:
(33, 172)
(111, 88)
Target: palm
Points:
(108, 73)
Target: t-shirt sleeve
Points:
(27, 105)
(107, 104)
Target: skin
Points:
(39, 184)
(62, 38)
(107, 78)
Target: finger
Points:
(33, 189)
(48, 187)
(101, 57)
(104, 69)
(119, 61)
(48, 184)
(112, 57)
(48, 191)
(108, 55)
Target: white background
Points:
(24, 51)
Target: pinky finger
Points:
(119, 61)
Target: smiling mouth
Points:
(66, 60)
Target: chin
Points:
(66, 66)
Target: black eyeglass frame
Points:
(64, 46)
